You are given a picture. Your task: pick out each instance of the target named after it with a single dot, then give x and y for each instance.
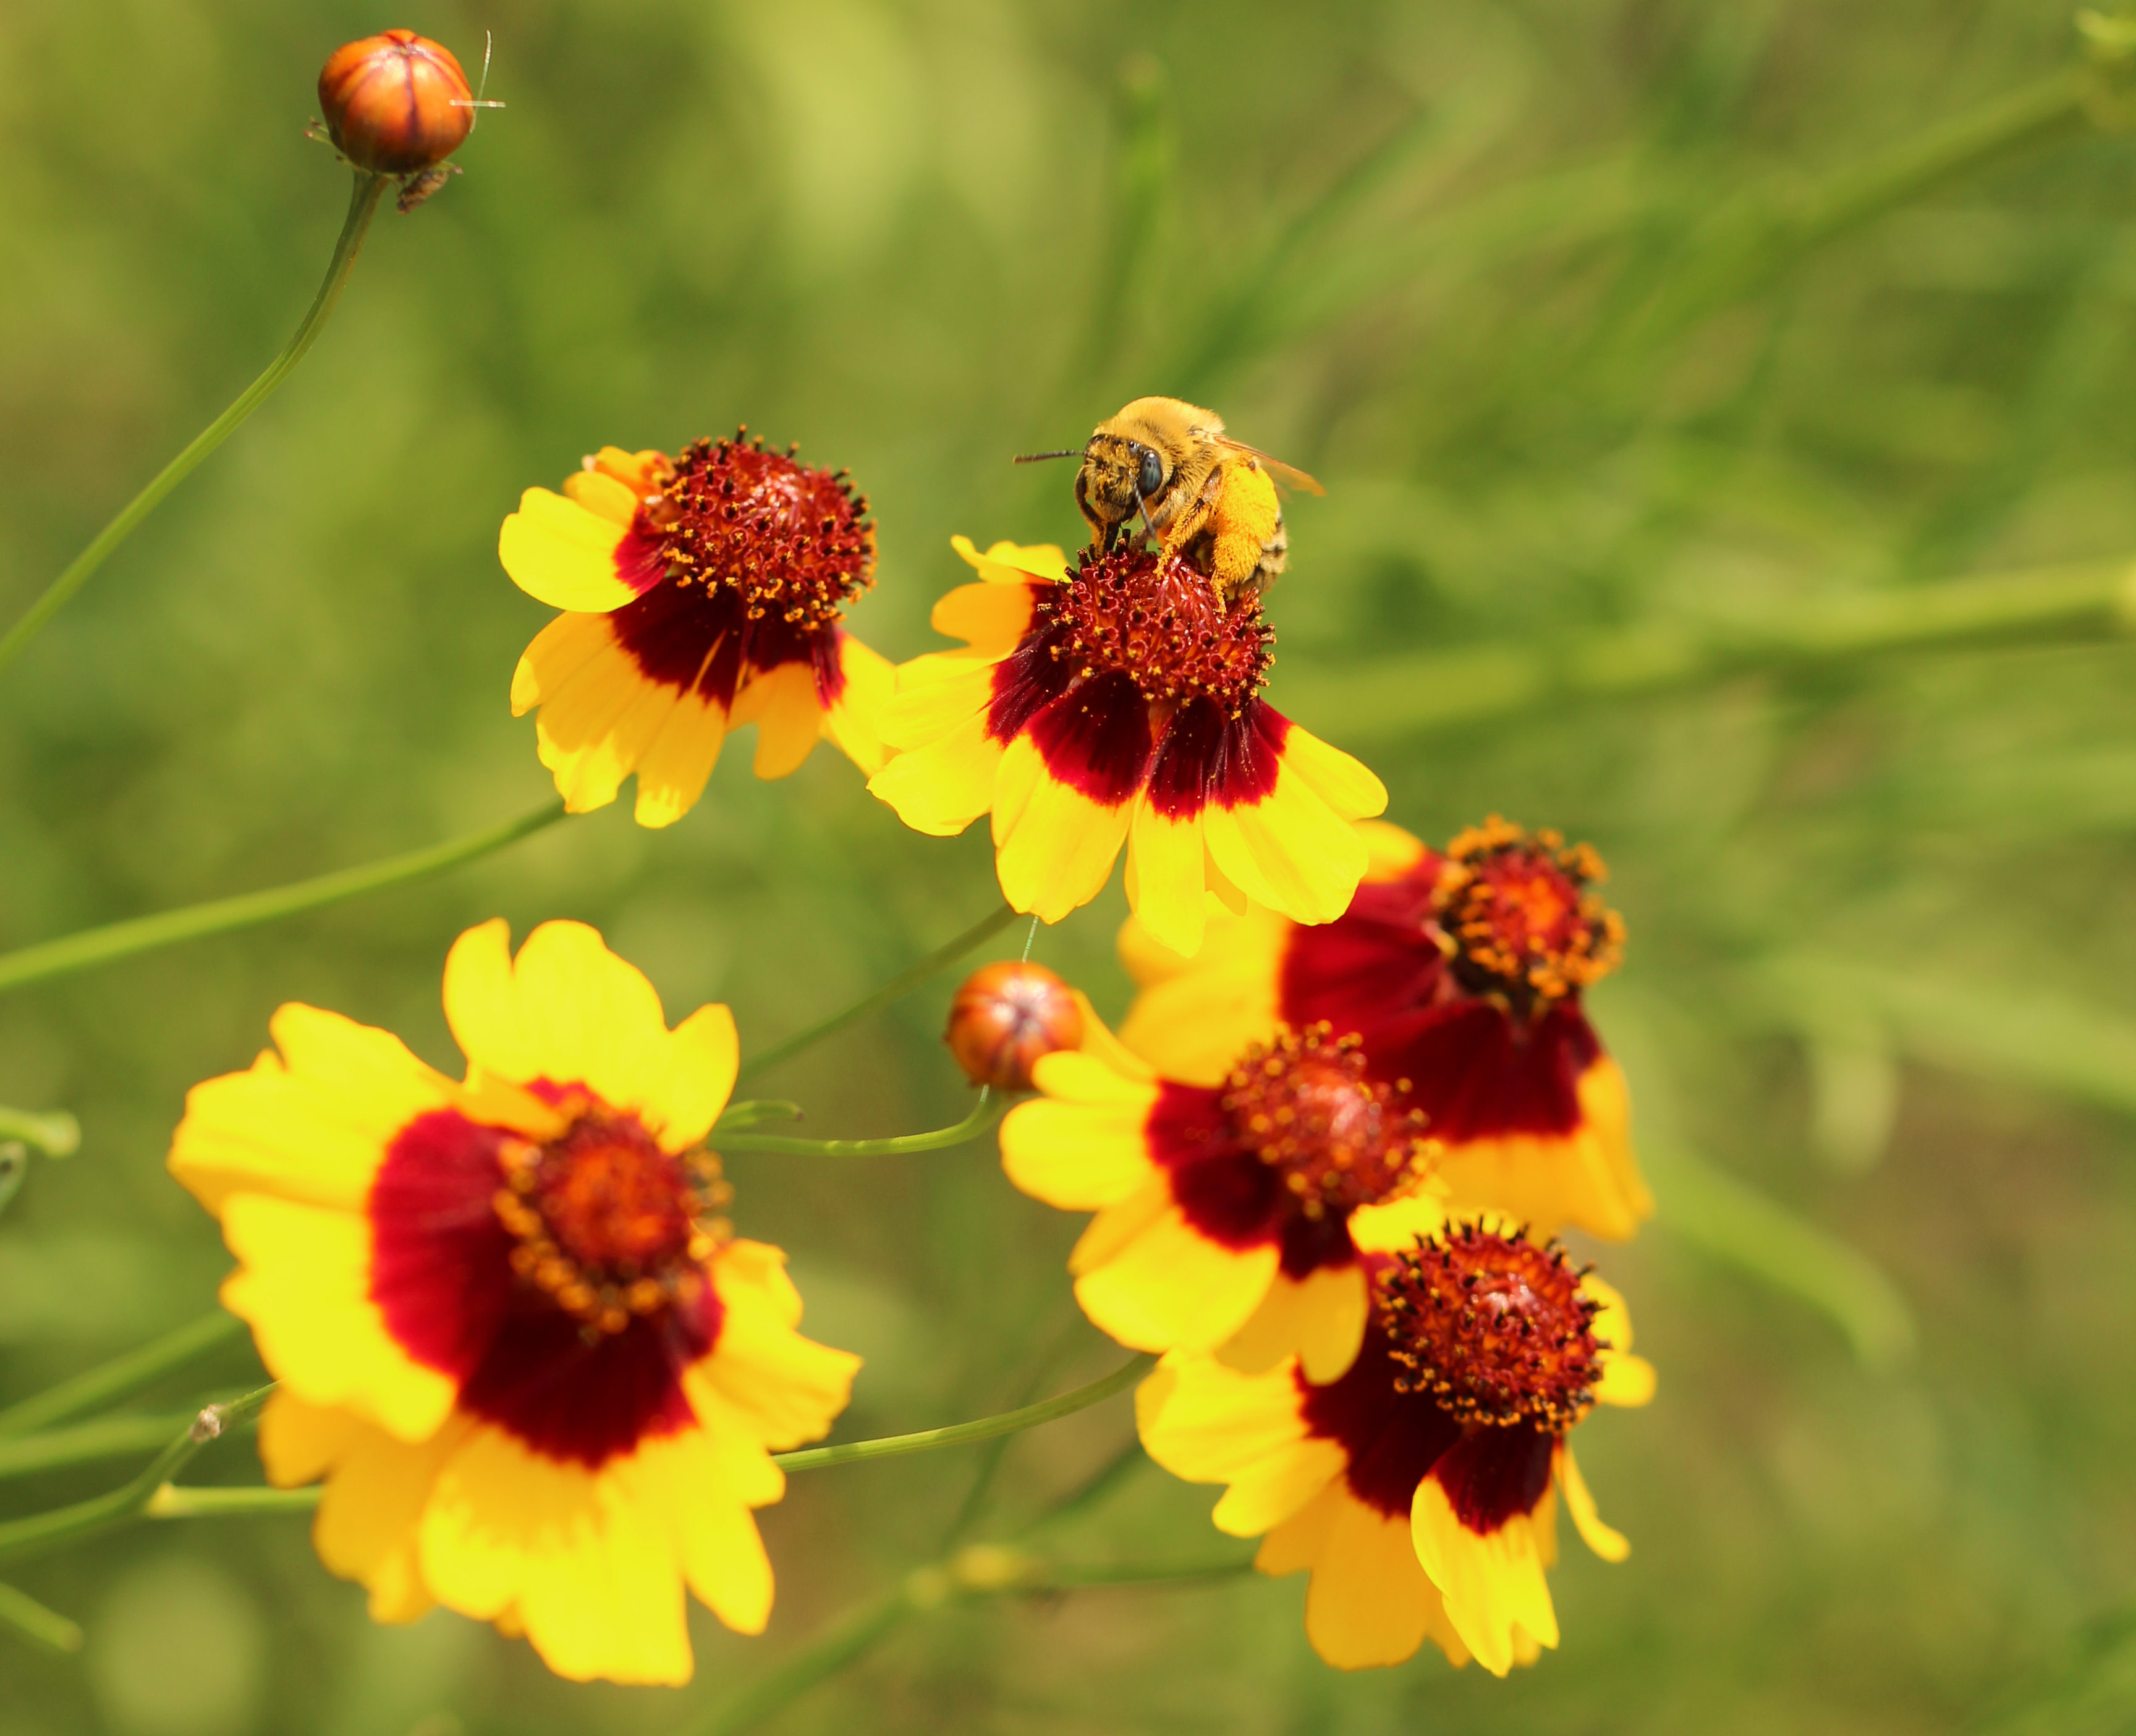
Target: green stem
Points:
(30, 1619)
(56, 1133)
(64, 1525)
(108, 1438)
(362, 205)
(899, 985)
(984, 1114)
(1029, 1416)
(50, 958)
(1410, 696)
(173, 1502)
(120, 1377)
(247, 1500)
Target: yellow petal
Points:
(783, 705)
(1060, 851)
(575, 1558)
(569, 1011)
(991, 617)
(1191, 1023)
(1609, 1544)
(595, 732)
(1080, 1156)
(312, 1123)
(1170, 1287)
(1100, 1044)
(1207, 1423)
(940, 788)
(1346, 785)
(1167, 889)
(1289, 852)
(305, 1285)
(680, 1478)
(1492, 1585)
(558, 656)
(558, 552)
(1319, 1319)
(1393, 1226)
(676, 764)
(791, 1388)
(603, 495)
(1010, 563)
(1390, 852)
(1369, 1604)
(366, 1525)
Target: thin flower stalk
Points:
(121, 1377)
(362, 206)
(137, 934)
(985, 1113)
(107, 1437)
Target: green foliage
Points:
(1666, 364)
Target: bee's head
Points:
(1122, 478)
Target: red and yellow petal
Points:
(570, 1011)
(563, 553)
(1147, 1277)
(303, 1286)
(784, 706)
(1054, 846)
(309, 1123)
(1588, 1177)
(1195, 1016)
(1207, 1423)
(854, 720)
(781, 1388)
(1493, 1586)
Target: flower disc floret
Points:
(792, 541)
(1518, 911)
(1303, 1105)
(1494, 1328)
(1157, 621)
(607, 1225)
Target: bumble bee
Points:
(1203, 496)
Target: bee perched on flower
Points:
(1234, 1217)
(1419, 1489)
(513, 1326)
(1119, 705)
(1462, 971)
(701, 593)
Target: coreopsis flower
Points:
(1120, 705)
(1233, 1218)
(513, 1328)
(701, 593)
(1463, 972)
(1419, 1490)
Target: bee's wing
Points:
(1282, 473)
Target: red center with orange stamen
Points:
(606, 1223)
(1157, 621)
(1494, 1329)
(791, 538)
(1304, 1106)
(1518, 911)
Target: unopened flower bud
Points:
(396, 104)
(1006, 1018)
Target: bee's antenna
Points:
(1033, 458)
(1148, 523)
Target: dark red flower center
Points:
(1157, 621)
(1303, 1105)
(1495, 1329)
(790, 540)
(606, 1223)
(1518, 912)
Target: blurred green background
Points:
(1638, 342)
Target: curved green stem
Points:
(169, 1501)
(902, 984)
(83, 1519)
(984, 1114)
(49, 958)
(362, 206)
(115, 1379)
(1029, 1416)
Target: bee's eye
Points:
(1152, 477)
